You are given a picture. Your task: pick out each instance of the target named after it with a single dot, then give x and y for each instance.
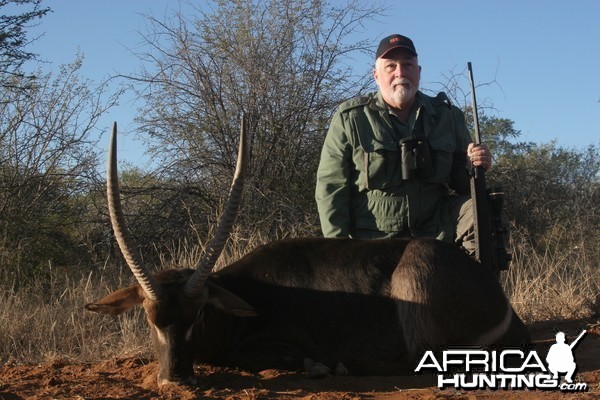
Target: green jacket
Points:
(360, 192)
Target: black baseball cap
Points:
(394, 42)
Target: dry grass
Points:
(556, 281)
(46, 320)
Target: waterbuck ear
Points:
(228, 302)
(117, 302)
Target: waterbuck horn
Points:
(132, 257)
(215, 247)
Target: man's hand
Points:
(479, 156)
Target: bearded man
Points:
(395, 162)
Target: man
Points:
(394, 163)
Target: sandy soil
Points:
(134, 378)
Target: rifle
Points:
(487, 208)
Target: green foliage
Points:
(547, 185)
(498, 134)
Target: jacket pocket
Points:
(381, 212)
(443, 157)
(380, 163)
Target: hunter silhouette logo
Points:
(560, 357)
(515, 369)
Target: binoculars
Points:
(416, 158)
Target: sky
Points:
(543, 55)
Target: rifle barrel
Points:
(485, 249)
(474, 105)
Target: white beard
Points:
(401, 95)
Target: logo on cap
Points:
(393, 42)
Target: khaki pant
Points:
(461, 212)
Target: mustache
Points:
(401, 81)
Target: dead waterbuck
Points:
(356, 306)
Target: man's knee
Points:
(461, 213)
(463, 216)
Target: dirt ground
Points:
(135, 378)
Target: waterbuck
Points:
(358, 307)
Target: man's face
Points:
(397, 75)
